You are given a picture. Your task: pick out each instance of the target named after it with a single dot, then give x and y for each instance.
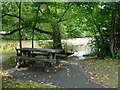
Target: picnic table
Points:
(29, 54)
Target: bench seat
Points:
(35, 54)
(61, 55)
(64, 54)
(29, 58)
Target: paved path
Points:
(67, 76)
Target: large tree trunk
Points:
(56, 36)
(112, 37)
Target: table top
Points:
(41, 50)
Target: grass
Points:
(104, 71)
(17, 83)
(6, 57)
(8, 82)
(9, 62)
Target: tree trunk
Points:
(33, 38)
(56, 36)
(20, 36)
(112, 37)
(35, 23)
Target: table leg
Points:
(18, 63)
(24, 54)
(52, 58)
(29, 55)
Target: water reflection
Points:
(79, 54)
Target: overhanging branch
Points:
(37, 29)
(13, 31)
(42, 31)
(3, 15)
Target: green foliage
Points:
(73, 31)
(102, 40)
(100, 49)
(66, 20)
(45, 44)
(44, 19)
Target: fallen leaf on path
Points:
(96, 75)
(68, 74)
(49, 76)
(33, 87)
(86, 82)
(55, 70)
(90, 73)
(47, 70)
(116, 72)
(16, 85)
(30, 80)
(42, 82)
(56, 67)
(34, 75)
(91, 77)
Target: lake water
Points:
(79, 54)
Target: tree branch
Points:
(37, 29)
(13, 31)
(97, 26)
(42, 31)
(41, 11)
(60, 20)
(3, 15)
(16, 3)
(35, 23)
(34, 2)
(39, 6)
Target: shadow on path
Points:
(67, 76)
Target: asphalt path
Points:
(66, 76)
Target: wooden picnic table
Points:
(40, 50)
(30, 54)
